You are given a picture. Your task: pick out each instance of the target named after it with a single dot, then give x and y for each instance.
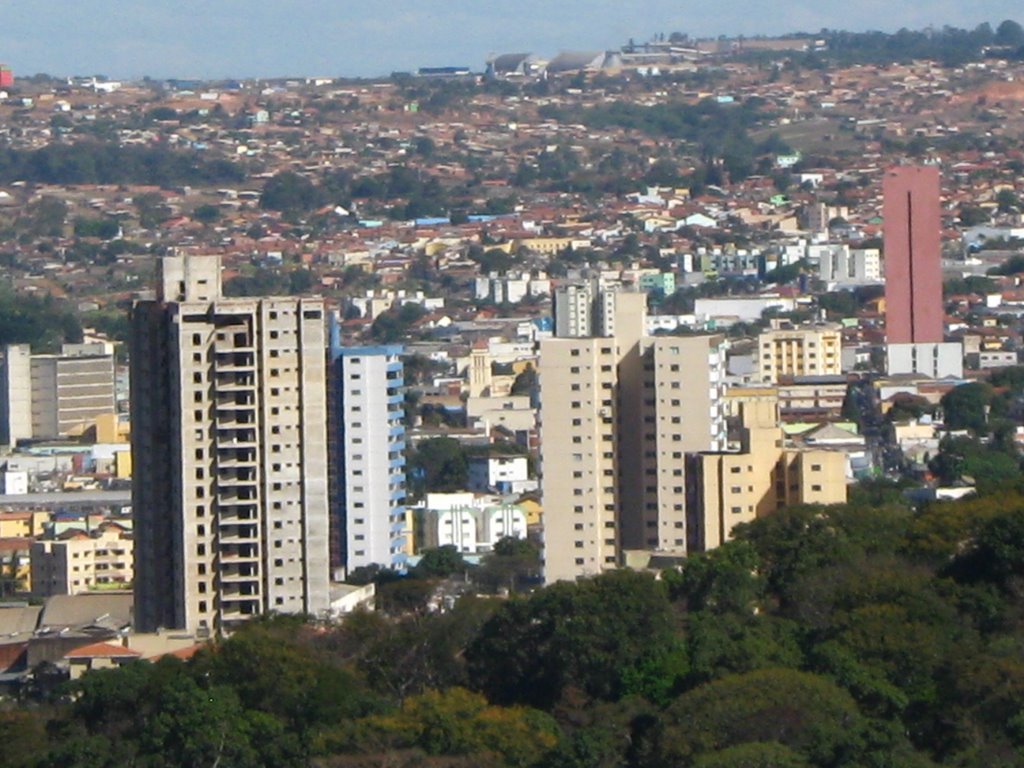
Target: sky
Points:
(364, 38)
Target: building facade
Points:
(229, 453)
(618, 414)
(784, 352)
(82, 562)
(53, 396)
(368, 457)
(15, 394)
(71, 389)
(726, 488)
(913, 275)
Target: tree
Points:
(590, 635)
(972, 215)
(459, 722)
(441, 562)
(512, 562)
(1007, 201)
(438, 465)
(392, 326)
(288, 192)
(525, 382)
(1009, 34)
(47, 217)
(206, 214)
(965, 407)
(805, 713)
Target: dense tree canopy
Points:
(821, 637)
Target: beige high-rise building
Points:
(229, 451)
(786, 351)
(618, 414)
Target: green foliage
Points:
(964, 406)
(441, 562)
(289, 192)
(88, 162)
(104, 229)
(525, 382)
(514, 563)
(395, 324)
(972, 284)
(459, 722)
(206, 214)
(269, 282)
(806, 713)
(853, 636)
(588, 635)
(44, 322)
(438, 465)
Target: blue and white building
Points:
(368, 456)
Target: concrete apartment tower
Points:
(914, 312)
(618, 414)
(15, 394)
(367, 456)
(46, 397)
(229, 447)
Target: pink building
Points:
(6, 77)
(913, 271)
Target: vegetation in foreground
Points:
(859, 635)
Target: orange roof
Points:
(103, 651)
(182, 653)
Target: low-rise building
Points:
(82, 562)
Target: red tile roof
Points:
(103, 651)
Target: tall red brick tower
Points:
(913, 270)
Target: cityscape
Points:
(653, 406)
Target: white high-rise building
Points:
(229, 450)
(368, 440)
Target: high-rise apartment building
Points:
(368, 457)
(787, 351)
(618, 414)
(585, 309)
(229, 449)
(913, 275)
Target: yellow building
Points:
(22, 524)
(110, 429)
(785, 351)
(725, 489)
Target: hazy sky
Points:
(246, 38)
